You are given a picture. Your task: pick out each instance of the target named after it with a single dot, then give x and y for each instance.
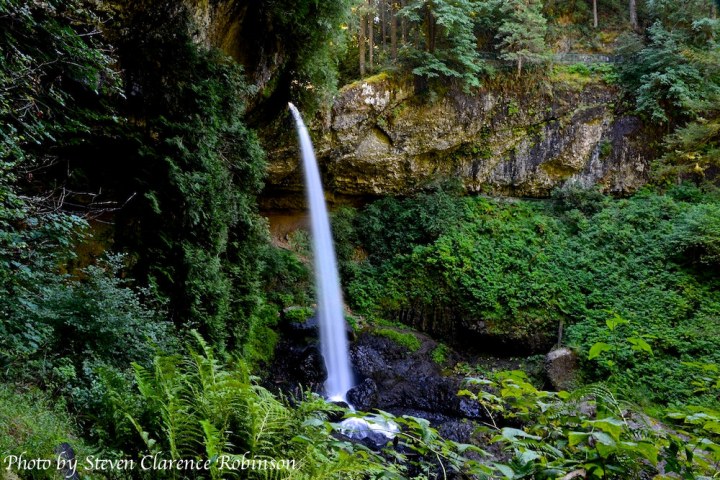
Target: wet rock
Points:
(561, 367)
(364, 396)
(457, 430)
(338, 415)
(470, 408)
(65, 452)
(410, 382)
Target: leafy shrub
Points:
(575, 197)
(524, 267)
(696, 236)
(299, 314)
(589, 433)
(194, 406)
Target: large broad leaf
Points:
(645, 449)
(598, 349)
(575, 438)
(505, 470)
(512, 434)
(640, 345)
(615, 322)
(613, 426)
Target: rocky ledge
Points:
(381, 138)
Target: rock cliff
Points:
(381, 138)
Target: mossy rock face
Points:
(383, 139)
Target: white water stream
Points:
(333, 335)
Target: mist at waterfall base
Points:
(331, 319)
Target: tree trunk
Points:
(519, 71)
(393, 32)
(595, 15)
(633, 14)
(371, 44)
(383, 21)
(361, 45)
(403, 26)
(430, 29)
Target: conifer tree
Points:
(522, 34)
(449, 48)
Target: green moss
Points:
(377, 78)
(404, 339)
(556, 170)
(605, 148)
(299, 314)
(440, 354)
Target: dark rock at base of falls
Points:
(409, 382)
(298, 365)
(364, 396)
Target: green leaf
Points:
(599, 348)
(575, 438)
(640, 345)
(512, 434)
(611, 425)
(505, 470)
(603, 438)
(615, 322)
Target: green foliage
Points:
(54, 72)
(521, 35)
(669, 75)
(573, 197)
(450, 44)
(405, 339)
(299, 314)
(194, 227)
(675, 76)
(194, 406)
(696, 237)
(439, 354)
(618, 346)
(588, 431)
(285, 279)
(693, 148)
(31, 426)
(311, 34)
(523, 267)
(63, 334)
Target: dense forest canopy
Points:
(143, 299)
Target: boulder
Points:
(364, 396)
(561, 367)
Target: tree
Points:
(633, 14)
(448, 47)
(393, 31)
(370, 35)
(362, 44)
(521, 36)
(595, 14)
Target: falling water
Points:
(333, 337)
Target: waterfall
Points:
(333, 336)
